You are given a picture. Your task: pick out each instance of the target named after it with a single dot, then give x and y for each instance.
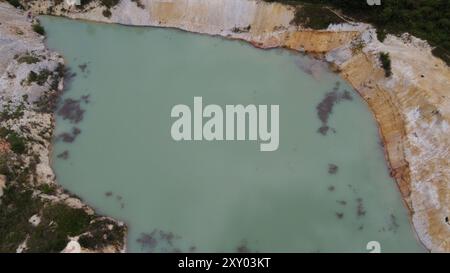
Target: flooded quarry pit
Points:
(325, 188)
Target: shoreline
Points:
(31, 80)
(425, 196)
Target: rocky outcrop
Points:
(411, 106)
(34, 210)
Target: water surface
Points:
(322, 190)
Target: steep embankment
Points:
(411, 106)
(37, 215)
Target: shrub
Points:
(17, 143)
(40, 78)
(381, 34)
(17, 206)
(106, 13)
(15, 3)
(57, 222)
(426, 19)
(315, 17)
(385, 63)
(39, 29)
(47, 189)
(27, 59)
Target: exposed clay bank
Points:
(319, 191)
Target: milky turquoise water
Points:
(220, 196)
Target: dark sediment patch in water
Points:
(69, 137)
(331, 188)
(64, 155)
(118, 198)
(84, 68)
(360, 211)
(68, 78)
(339, 215)
(325, 107)
(86, 98)
(159, 241)
(393, 224)
(192, 249)
(71, 110)
(342, 202)
(311, 66)
(243, 247)
(332, 168)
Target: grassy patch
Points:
(10, 112)
(28, 59)
(47, 189)
(17, 142)
(39, 78)
(17, 206)
(57, 222)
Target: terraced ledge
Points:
(410, 100)
(36, 214)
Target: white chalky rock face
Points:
(22, 246)
(72, 247)
(73, 2)
(35, 220)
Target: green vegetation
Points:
(106, 3)
(28, 59)
(47, 102)
(139, 3)
(17, 206)
(17, 142)
(357, 46)
(4, 169)
(15, 3)
(57, 222)
(100, 235)
(39, 29)
(426, 19)
(315, 17)
(47, 189)
(11, 112)
(106, 13)
(385, 63)
(381, 34)
(40, 78)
